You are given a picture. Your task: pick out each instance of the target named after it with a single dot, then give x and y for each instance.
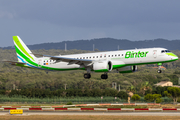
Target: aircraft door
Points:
(155, 53)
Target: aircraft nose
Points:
(176, 58)
(173, 56)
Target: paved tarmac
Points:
(96, 113)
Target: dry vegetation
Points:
(76, 117)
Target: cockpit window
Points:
(162, 51)
(165, 51)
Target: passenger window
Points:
(109, 56)
(122, 54)
(97, 57)
(119, 55)
(112, 55)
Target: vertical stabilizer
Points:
(23, 53)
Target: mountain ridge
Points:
(106, 44)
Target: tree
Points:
(135, 97)
(148, 97)
(144, 87)
(153, 97)
(173, 92)
(122, 95)
(131, 89)
(156, 97)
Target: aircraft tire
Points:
(104, 76)
(159, 71)
(87, 75)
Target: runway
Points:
(96, 113)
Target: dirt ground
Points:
(104, 106)
(76, 117)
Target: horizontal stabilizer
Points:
(14, 63)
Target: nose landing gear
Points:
(159, 69)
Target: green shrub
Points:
(69, 103)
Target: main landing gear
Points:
(87, 75)
(104, 76)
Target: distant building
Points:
(164, 83)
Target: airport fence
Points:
(74, 100)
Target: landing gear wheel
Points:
(104, 76)
(87, 75)
(159, 71)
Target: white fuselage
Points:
(126, 57)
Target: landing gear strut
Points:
(87, 75)
(104, 76)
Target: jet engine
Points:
(102, 66)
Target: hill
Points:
(106, 44)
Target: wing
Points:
(71, 60)
(14, 63)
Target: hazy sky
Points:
(39, 21)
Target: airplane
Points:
(123, 61)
